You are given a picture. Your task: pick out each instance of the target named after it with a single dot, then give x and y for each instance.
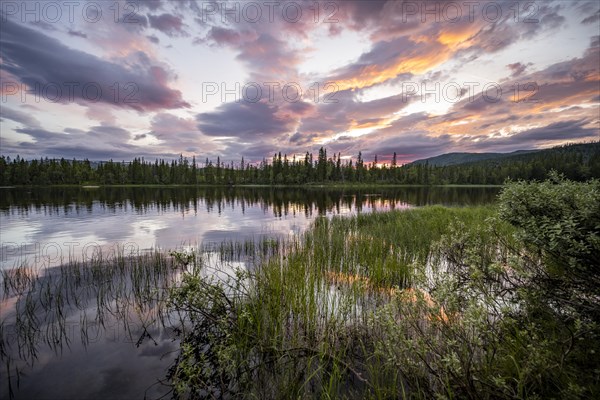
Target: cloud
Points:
(98, 143)
(303, 139)
(551, 134)
(398, 47)
(541, 97)
(271, 48)
(149, 4)
(387, 60)
(359, 15)
(18, 116)
(54, 71)
(269, 56)
(245, 121)
(170, 25)
(180, 133)
(229, 37)
(75, 33)
(416, 42)
(592, 18)
(562, 130)
(43, 25)
(101, 142)
(407, 146)
(346, 111)
(517, 68)
(552, 20)
(299, 108)
(167, 137)
(255, 152)
(409, 40)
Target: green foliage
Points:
(523, 307)
(207, 365)
(424, 303)
(559, 217)
(301, 327)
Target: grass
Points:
(39, 305)
(424, 303)
(433, 302)
(307, 323)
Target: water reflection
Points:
(83, 330)
(57, 200)
(51, 225)
(103, 328)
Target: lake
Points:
(83, 328)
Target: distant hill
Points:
(578, 161)
(447, 159)
(583, 151)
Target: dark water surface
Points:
(78, 354)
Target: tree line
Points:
(577, 162)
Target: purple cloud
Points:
(170, 25)
(244, 120)
(58, 73)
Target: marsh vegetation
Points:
(110, 303)
(488, 301)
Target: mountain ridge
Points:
(458, 158)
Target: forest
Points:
(578, 162)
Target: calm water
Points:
(114, 357)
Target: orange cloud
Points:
(377, 124)
(373, 74)
(458, 37)
(421, 59)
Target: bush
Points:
(559, 220)
(526, 305)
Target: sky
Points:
(231, 79)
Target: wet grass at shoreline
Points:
(308, 323)
(299, 293)
(433, 302)
(47, 310)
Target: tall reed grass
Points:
(311, 319)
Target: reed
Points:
(308, 322)
(131, 291)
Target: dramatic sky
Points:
(125, 79)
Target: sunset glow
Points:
(157, 79)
